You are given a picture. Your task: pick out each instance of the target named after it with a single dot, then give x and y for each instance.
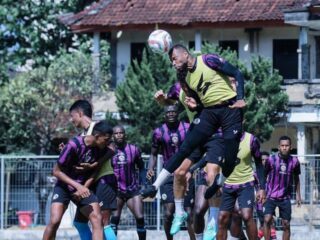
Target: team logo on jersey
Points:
(174, 138)
(196, 121)
(283, 168)
(55, 196)
(164, 196)
(121, 158)
(101, 203)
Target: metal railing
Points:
(26, 185)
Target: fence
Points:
(26, 184)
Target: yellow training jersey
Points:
(211, 86)
(243, 172)
(190, 114)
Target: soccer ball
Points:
(160, 41)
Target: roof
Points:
(109, 15)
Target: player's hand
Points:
(298, 199)
(191, 103)
(261, 196)
(83, 167)
(150, 174)
(61, 147)
(160, 96)
(238, 104)
(83, 191)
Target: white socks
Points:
(199, 236)
(163, 175)
(213, 217)
(178, 203)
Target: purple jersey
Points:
(74, 153)
(169, 140)
(280, 173)
(124, 164)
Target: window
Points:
(233, 45)
(137, 51)
(285, 57)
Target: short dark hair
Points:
(82, 105)
(121, 127)
(171, 108)
(177, 46)
(102, 127)
(285, 138)
(265, 153)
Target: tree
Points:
(30, 30)
(35, 104)
(142, 114)
(135, 96)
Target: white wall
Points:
(266, 36)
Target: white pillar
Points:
(303, 41)
(197, 42)
(301, 138)
(301, 151)
(96, 61)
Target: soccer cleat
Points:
(149, 191)
(273, 234)
(178, 220)
(213, 188)
(210, 233)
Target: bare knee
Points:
(96, 219)
(286, 225)
(223, 219)
(180, 173)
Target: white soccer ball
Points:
(160, 41)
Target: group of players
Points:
(100, 176)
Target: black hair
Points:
(265, 153)
(171, 108)
(121, 127)
(102, 127)
(285, 138)
(177, 46)
(82, 105)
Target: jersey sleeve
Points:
(174, 92)
(156, 137)
(255, 147)
(67, 154)
(297, 168)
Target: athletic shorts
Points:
(167, 196)
(244, 193)
(283, 205)
(125, 196)
(213, 150)
(62, 195)
(106, 191)
(201, 178)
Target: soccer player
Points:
(259, 205)
(168, 138)
(282, 170)
(202, 204)
(72, 185)
(239, 186)
(207, 76)
(125, 161)
(105, 183)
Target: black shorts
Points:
(283, 205)
(125, 196)
(244, 193)
(201, 178)
(167, 196)
(62, 195)
(106, 191)
(213, 150)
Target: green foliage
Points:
(30, 29)
(135, 96)
(264, 96)
(35, 104)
